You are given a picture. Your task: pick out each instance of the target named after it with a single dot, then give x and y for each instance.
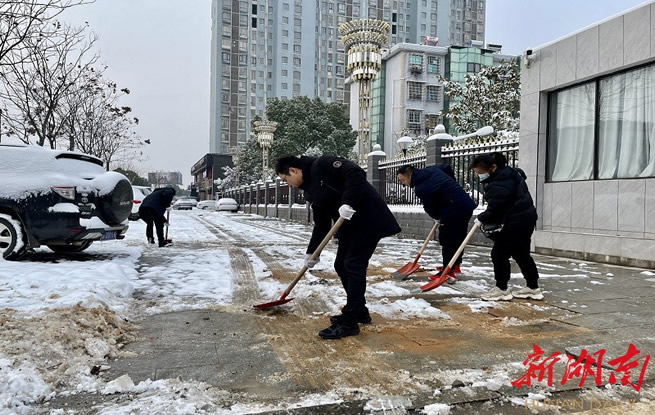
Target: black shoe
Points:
(165, 243)
(337, 331)
(151, 240)
(364, 319)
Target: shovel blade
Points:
(434, 284)
(281, 301)
(406, 271)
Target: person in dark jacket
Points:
(152, 211)
(444, 200)
(509, 221)
(337, 187)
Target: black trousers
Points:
(351, 263)
(513, 244)
(452, 233)
(151, 217)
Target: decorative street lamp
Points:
(265, 130)
(363, 39)
(404, 142)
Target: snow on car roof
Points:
(27, 170)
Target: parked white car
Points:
(207, 205)
(139, 193)
(185, 203)
(227, 204)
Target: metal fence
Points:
(460, 156)
(395, 193)
(284, 193)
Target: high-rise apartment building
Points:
(262, 49)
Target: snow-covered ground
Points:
(62, 316)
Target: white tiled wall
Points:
(606, 217)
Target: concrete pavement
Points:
(464, 362)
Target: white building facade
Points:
(587, 140)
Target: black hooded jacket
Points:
(159, 200)
(328, 183)
(508, 200)
(443, 198)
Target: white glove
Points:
(477, 222)
(309, 262)
(346, 212)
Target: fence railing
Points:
(460, 156)
(395, 193)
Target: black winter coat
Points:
(328, 183)
(158, 200)
(508, 200)
(443, 198)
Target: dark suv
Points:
(61, 199)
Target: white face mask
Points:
(483, 176)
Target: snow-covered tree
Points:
(490, 97)
(305, 127)
(227, 182)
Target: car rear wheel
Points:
(77, 247)
(11, 238)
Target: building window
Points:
(434, 64)
(285, 46)
(296, 75)
(624, 137)
(285, 72)
(296, 48)
(285, 59)
(473, 67)
(225, 56)
(296, 61)
(285, 33)
(285, 85)
(415, 63)
(571, 133)
(431, 121)
(415, 90)
(227, 30)
(285, 20)
(414, 119)
(433, 93)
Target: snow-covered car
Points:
(207, 205)
(139, 193)
(61, 199)
(227, 204)
(185, 203)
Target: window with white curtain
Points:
(626, 134)
(571, 133)
(623, 144)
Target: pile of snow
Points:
(476, 305)
(436, 409)
(38, 286)
(406, 309)
(56, 351)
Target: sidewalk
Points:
(461, 356)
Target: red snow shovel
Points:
(283, 299)
(411, 267)
(444, 273)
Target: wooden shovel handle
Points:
(168, 218)
(462, 246)
(427, 240)
(315, 255)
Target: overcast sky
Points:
(159, 49)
